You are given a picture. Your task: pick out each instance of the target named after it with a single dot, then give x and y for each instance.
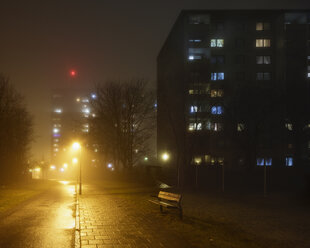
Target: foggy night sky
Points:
(40, 41)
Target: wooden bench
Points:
(169, 200)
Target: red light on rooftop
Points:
(72, 73)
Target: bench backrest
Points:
(169, 196)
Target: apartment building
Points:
(233, 90)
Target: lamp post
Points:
(76, 146)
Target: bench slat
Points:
(169, 196)
(169, 200)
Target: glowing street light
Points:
(75, 160)
(76, 146)
(65, 165)
(165, 156)
(52, 167)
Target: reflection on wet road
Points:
(46, 221)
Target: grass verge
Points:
(12, 195)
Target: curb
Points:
(77, 224)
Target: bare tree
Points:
(125, 120)
(15, 132)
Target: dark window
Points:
(217, 26)
(218, 59)
(263, 60)
(199, 19)
(240, 43)
(240, 75)
(263, 76)
(239, 59)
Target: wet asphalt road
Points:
(45, 221)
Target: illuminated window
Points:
(260, 161)
(217, 76)
(193, 109)
(263, 76)
(197, 53)
(207, 159)
(197, 160)
(264, 161)
(93, 96)
(220, 161)
(214, 160)
(260, 26)
(220, 43)
(289, 126)
(214, 126)
(263, 60)
(194, 126)
(289, 161)
(58, 111)
(216, 110)
(213, 76)
(194, 57)
(195, 40)
(220, 76)
(86, 110)
(55, 130)
(263, 43)
(217, 43)
(217, 93)
(240, 127)
(217, 127)
(191, 92)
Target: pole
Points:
(265, 179)
(223, 178)
(196, 176)
(80, 189)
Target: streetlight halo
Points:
(76, 146)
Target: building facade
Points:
(70, 119)
(233, 90)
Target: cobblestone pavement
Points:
(113, 220)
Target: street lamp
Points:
(76, 146)
(165, 156)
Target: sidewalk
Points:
(113, 220)
(118, 214)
